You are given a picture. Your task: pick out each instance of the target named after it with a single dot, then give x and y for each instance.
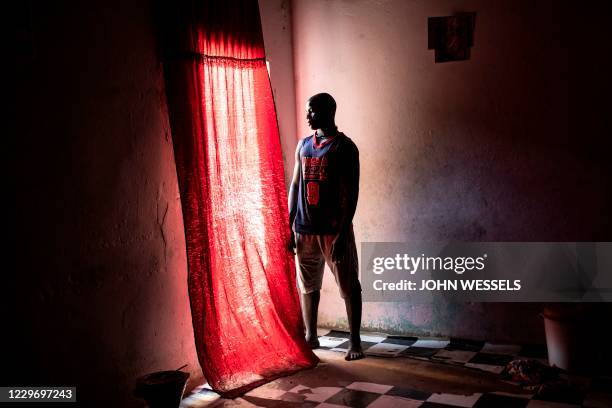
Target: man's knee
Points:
(309, 284)
(309, 290)
(350, 289)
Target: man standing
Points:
(322, 202)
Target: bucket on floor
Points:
(162, 389)
(567, 329)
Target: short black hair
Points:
(325, 101)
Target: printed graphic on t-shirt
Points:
(312, 193)
(315, 171)
(315, 168)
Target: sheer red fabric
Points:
(244, 301)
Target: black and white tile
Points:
(373, 395)
(479, 355)
(592, 393)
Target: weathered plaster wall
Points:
(276, 24)
(100, 281)
(508, 146)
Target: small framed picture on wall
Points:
(451, 37)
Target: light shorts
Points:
(313, 251)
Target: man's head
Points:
(320, 111)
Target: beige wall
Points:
(276, 24)
(101, 272)
(502, 147)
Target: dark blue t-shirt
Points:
(325, 167)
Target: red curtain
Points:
(244, 302)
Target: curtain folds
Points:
(244, 301)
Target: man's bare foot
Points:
(354, 353)
(313, 342)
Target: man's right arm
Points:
(293, 193)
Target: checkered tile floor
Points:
(468, 353)
(372, 395)
(595, 393)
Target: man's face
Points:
(312, 116)
(317, 116)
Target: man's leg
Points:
(353, 313)
(346, 272)
(310, 275)
(310, 310)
